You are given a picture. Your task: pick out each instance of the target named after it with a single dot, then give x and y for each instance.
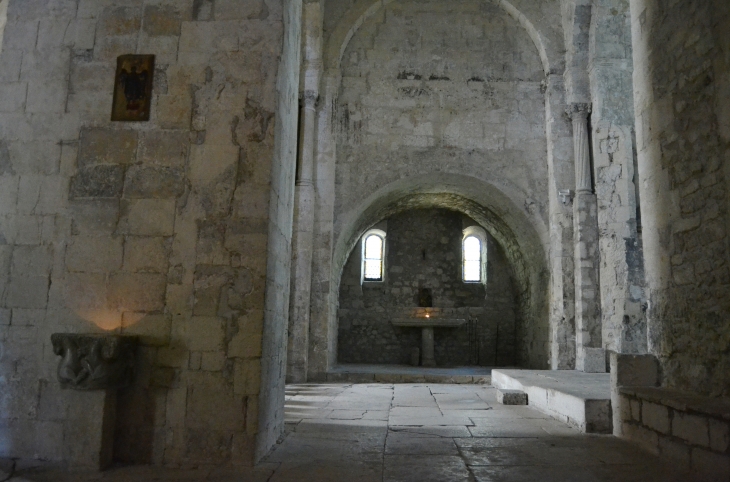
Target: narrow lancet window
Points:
(474, 255)
(372, 256)
(472, 259)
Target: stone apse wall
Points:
(682, 97)
(176, 230)
(424, 251)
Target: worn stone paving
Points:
(415, 432)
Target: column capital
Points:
(578, 110)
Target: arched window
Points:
(474, 255)
(373, 254)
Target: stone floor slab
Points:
(349, 433)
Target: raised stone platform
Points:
(408, 374)
(582, 400)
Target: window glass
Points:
(373, 259)
(472, 259)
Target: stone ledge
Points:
(680, 400)
(582, 400)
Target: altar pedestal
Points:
(92, 367)
(427, 326)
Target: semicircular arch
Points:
(523, 238)
(353, 19)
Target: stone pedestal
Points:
(91, 369)
(427, 360)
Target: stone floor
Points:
(415, 432)
(363, 373)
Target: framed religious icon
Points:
(133, 88)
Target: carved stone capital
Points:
(578, 110)
(94, 362)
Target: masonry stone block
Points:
(633, 370)
(13, 96)
(232, 10)
(94, 255)
(691, 428)
(107, 146)
(97, 217)
(655, 416)
(46, 98)
(97, 182)
(511, 397)
(120, 20)
(165, 148)
(247, 377)
(719, 435)
(36, 157)
(211, 403)
(148, 217)
(648, 439)
(146, 254)
(154, 182)
(32, 260)
(711, 466)
(10, 60)
(27, 292)
(174, 111)
(212, 361)
(161, 20)
(204, 333)
(137, 291)
(678, 452)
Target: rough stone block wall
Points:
(424, 251)
(676, 426)
(420, 95)
(158, 229)
(682, 79)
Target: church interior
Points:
(364, 240)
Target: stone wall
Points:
(682, 79)
(690, 431)
(159, 229)
(424, 251)
(418, 97)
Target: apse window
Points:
(373, 254)
(474, 255)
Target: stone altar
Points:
(427, 324)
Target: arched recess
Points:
(547, 47)
(523, 238)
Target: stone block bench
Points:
(691, 430)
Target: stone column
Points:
(561, 177)
(298, 347)
(303, 235)
(590, 355)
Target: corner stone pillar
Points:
(629, 371)
(590, 355)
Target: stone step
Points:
(511, 397)
(582, 400)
